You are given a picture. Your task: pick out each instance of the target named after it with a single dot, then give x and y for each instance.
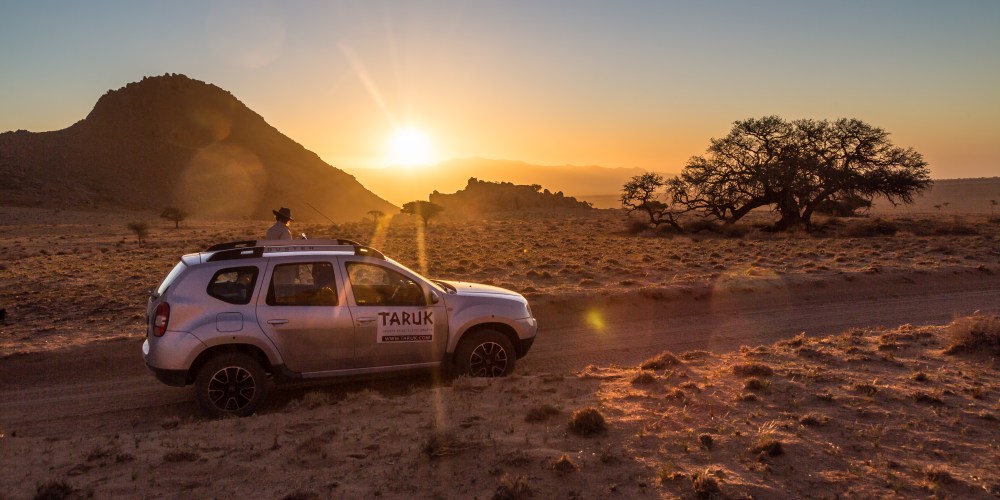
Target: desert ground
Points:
(859, 360)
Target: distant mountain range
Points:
(174, 141)
(599, 185)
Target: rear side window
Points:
(302, 284)
(234, 285)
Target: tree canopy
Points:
(794, 168)
(424, 209)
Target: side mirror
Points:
(433, 297)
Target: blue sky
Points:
(618, 84)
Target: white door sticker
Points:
(405, 326)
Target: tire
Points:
(485, 353)
(232, 384)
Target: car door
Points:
(394, 325)
(305, 314)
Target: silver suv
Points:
(237, 316)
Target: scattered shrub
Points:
(756, 384)
(660, 361)
(705, 486)
(587, 422)
(813, 419)
(752, 370)
(512, 488)
(644, 378)
(140, 228)
(868, 228)
(442, 443)
(541, 413)
(54, 490)
(637, 226)
(980, 332)
(768, 446)
(706, 440)
(564, 465)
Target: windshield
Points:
(432, 283)
(174, 273)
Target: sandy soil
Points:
(869, 412)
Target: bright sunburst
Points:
(409, 147)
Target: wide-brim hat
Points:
(284, 213)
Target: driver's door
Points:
(393, 323)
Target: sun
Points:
(410, 147)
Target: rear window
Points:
(174, 273)
(234, 285)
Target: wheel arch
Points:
(251, 350)
(505, 329)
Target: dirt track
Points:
(103, 388)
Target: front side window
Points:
(302, 284)
(378, 286)
(233, 285)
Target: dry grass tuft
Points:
(661, 361)
(588, 422)
(705, 486)
(974, 333)
(512, 488)
(756, 384)
(814, 419)
(541, 413)
(564, 465)
(643, 378)
(56, 490)
(443, 443)
(752, 370)
(706, 440)
(867, 228)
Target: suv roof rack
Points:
(256, 248)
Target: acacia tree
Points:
(641, 194)
(794, 167)
(424, 209)
(175, 215)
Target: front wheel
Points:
(231, 384)
(486, 353)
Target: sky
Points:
(626, 83)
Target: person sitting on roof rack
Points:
(280, 231)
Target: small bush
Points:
(752, 370)
(705, 486)
(442, 443)
(869, 228)
(768, 446)
(564, 465)
(706, 440)
(644, 378)
(512, 488)
(980, 332)
(140, 228)
(756, 384)
(637, 226)
(660, 361)
(814, 419)
(541, 413)
(54, 490)
(699, 225)
(587, 422)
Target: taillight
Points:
(161, 319)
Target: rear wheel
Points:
(486, 353)
(231, 384)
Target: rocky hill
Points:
(600, 185)
(174, 141)
(484, 197)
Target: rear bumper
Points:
(176, 378)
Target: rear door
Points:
(303, 311)
(394, 324)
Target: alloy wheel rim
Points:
(231, 389)
(488, 359)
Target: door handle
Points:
(277, 322)
(366, 321)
